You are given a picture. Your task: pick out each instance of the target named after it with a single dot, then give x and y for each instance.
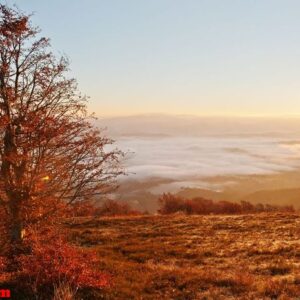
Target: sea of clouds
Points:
(170, 152)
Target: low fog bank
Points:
(185, 148)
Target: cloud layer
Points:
(184, 158)
(187, 149)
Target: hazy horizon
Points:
(168, 124)
(194, 115)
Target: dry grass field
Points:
(195, 257)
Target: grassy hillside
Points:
(195, 257)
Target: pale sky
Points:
(193, 57)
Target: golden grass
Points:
(196, 257)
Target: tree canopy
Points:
(50, 153)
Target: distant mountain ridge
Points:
(165, 125)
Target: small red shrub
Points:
(88, 208)
(82, 209)
(51, 261)
(171, 204)
(116, 208)
(226, 207)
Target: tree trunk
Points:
(15, 239)
(16, 224)
(12, 175)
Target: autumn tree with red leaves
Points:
(50, 154)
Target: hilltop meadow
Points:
(253, 256)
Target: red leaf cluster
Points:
(51, 261)
(108, 208)
(116, 208)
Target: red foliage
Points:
(82, 209)
(116, 208)
(2, 264)
(171, 204)
(49, 264)
(88, 208)
(226, 207)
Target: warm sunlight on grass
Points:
(196, 257)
